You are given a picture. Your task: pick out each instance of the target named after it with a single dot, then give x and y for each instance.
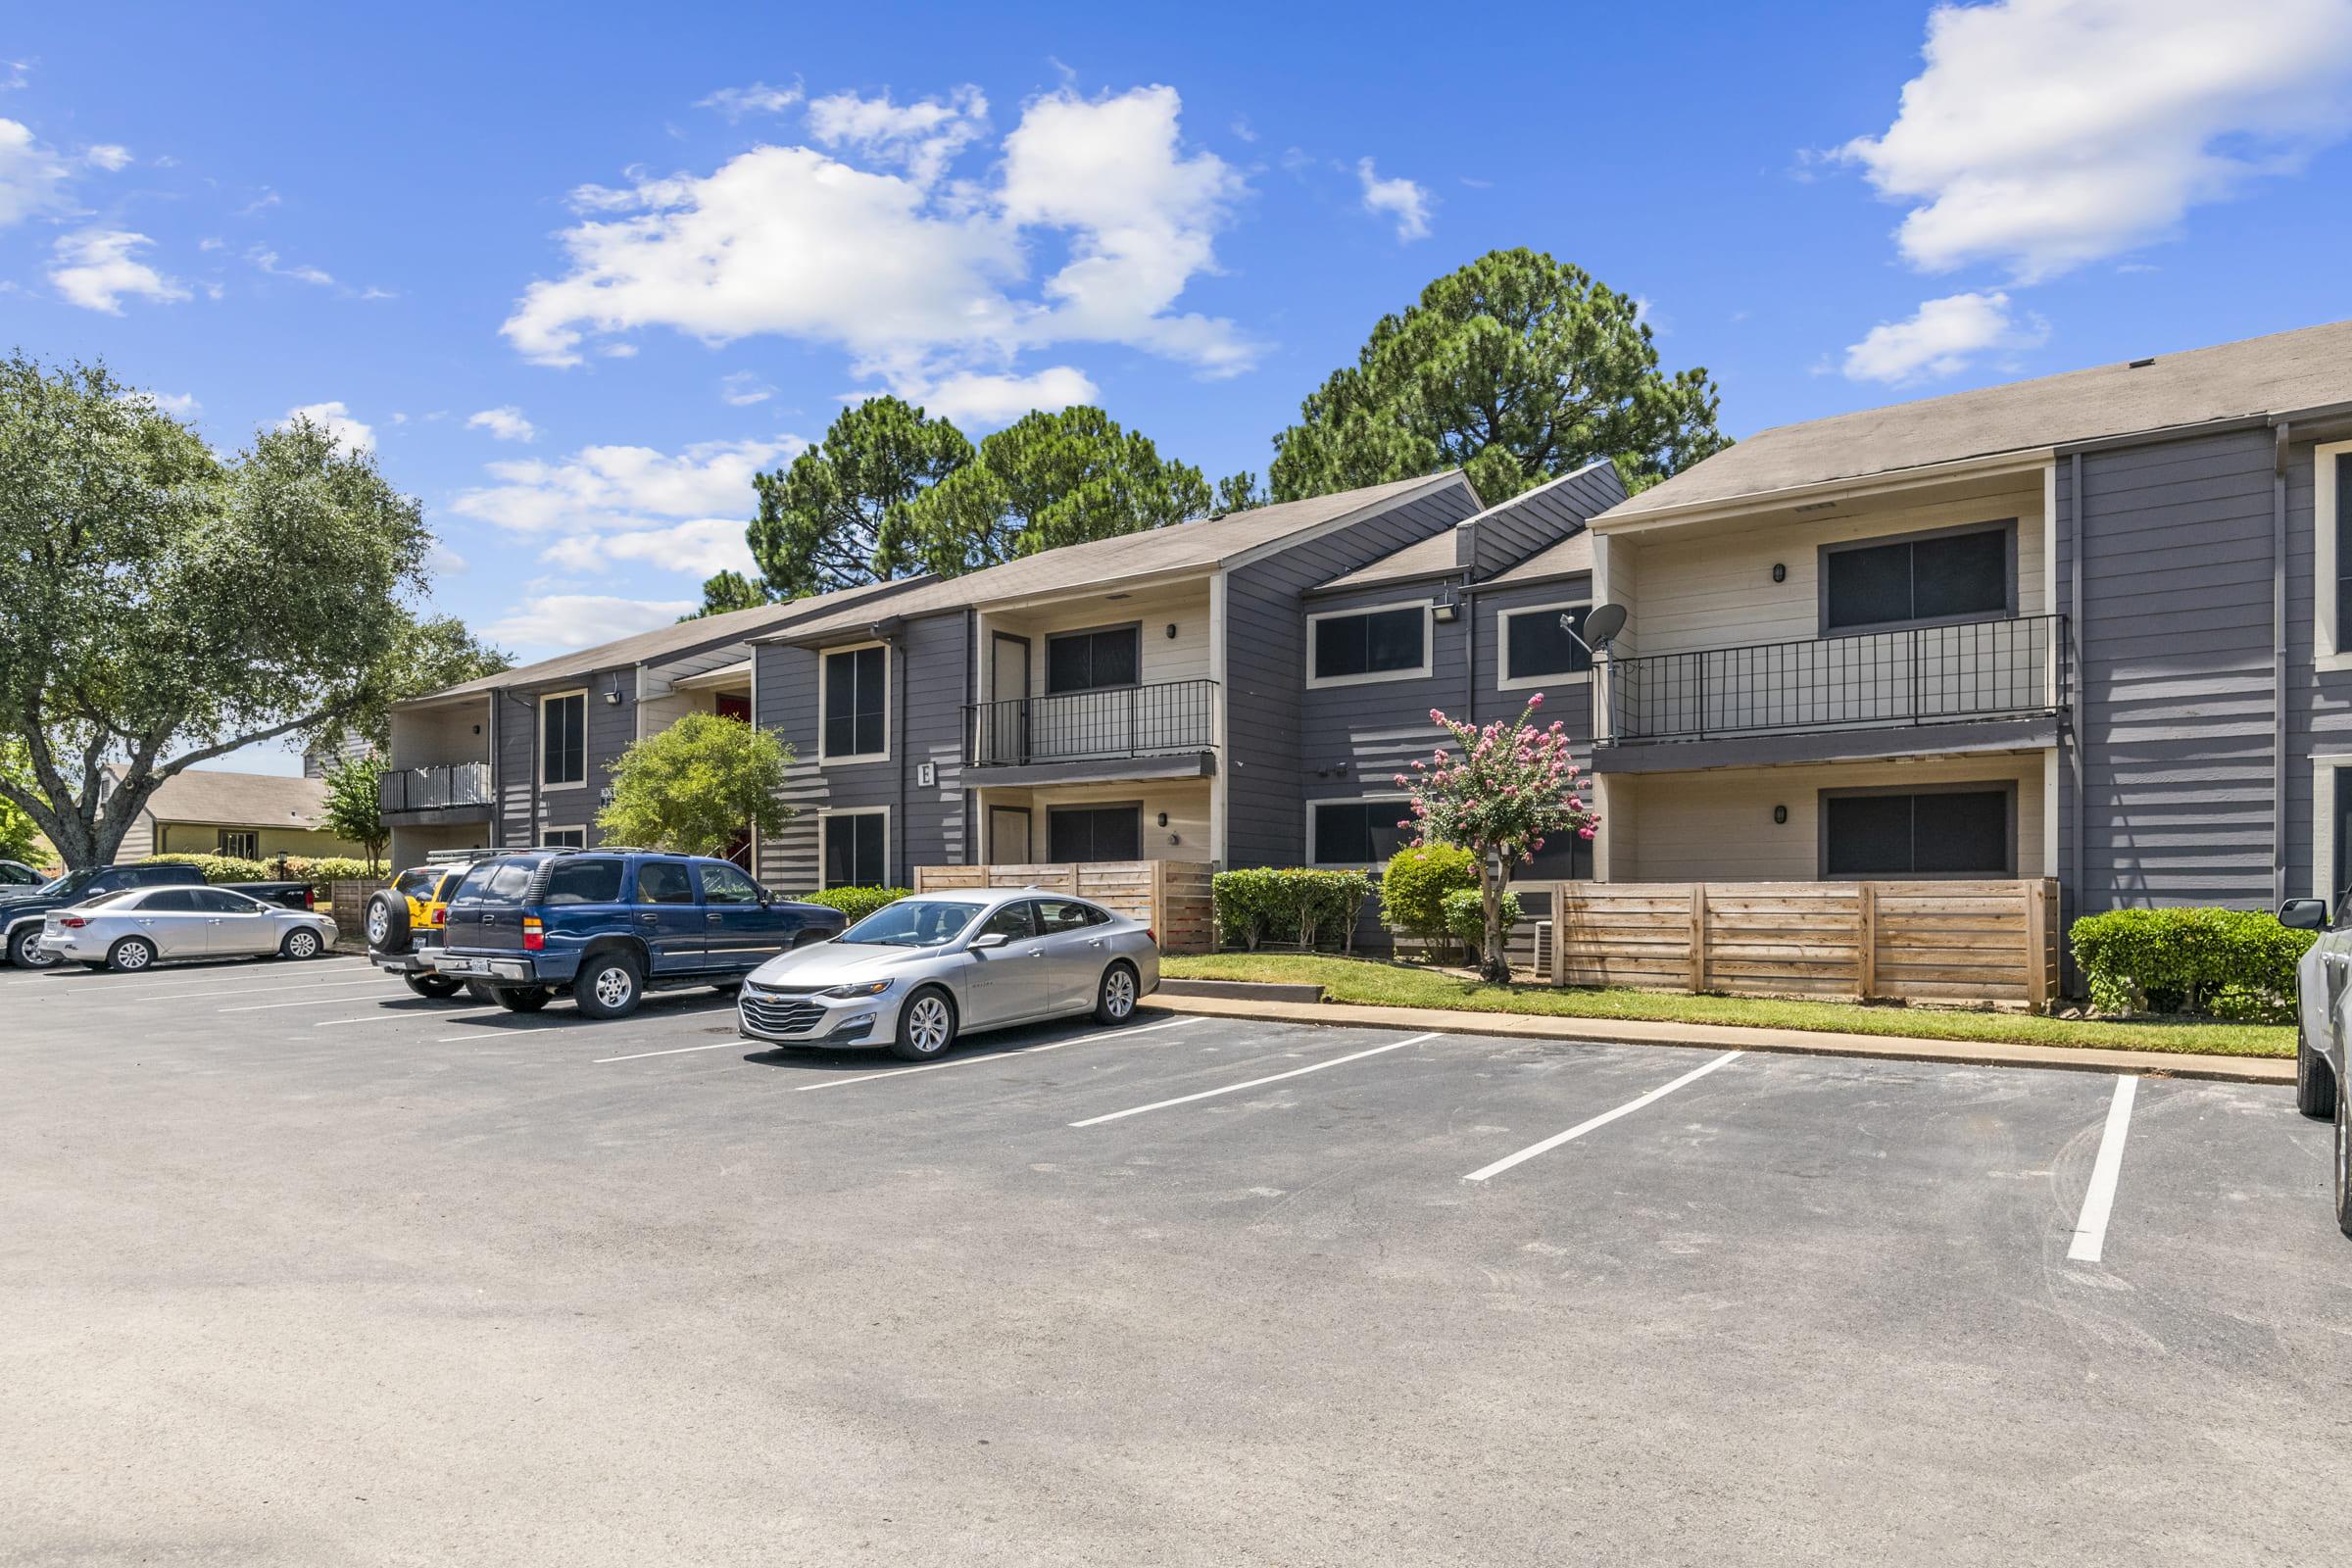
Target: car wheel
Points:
(2343, 1163)
(609, 986)
(24, 952)
(300, 943)
(926, 1026)
(130, 955)
(523, 999)
(439, 987)
(1114, 999)
(482, 990)
(2315, 1080)
(387, 922)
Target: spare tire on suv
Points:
(387, 922)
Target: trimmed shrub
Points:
(321, 873)
(2234, 964)
(1413, 888)
(1287, 904)
(328, 869)
(1466, 916)
(220, 868)
(856, 903)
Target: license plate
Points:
(460, 966)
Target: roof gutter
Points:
(2022, 460)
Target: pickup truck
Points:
(607, 925)
(2323, 982)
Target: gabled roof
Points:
(2284, 372)
(1203, 544)
(238, 800)
(1569, 556)
(1531, 524)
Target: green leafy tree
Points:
(696, 785)
(1239, 492)
(1051, 479)
(730, 590)
(19, 833)
(165, 605)
(1516, 368)
(355, 803)
(836, 517)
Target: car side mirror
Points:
(2304, 914)
(989, 939)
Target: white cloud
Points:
(702, 547)
(2043, 134)
(109, 156)
(907, 277)
(336, 421)
(1399, 199)
(267, 261)
(743, 388)
(1941, 338)
(445, 561)
(31, 176)
(181, 404)
(95, 269)
(582, 621)
(757, 99)
(921, 137)
(615, 489)
(505, 423)
(971, 399)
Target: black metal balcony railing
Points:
(1074, 726)
(1917, 675)
(426, 789)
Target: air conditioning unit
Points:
(1544, 949)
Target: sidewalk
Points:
(1719, 1037)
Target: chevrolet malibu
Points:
(130, 931)
(917, 974)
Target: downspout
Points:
(1469, 598)
(2279, 665)
(497, 791)
(2076, 531)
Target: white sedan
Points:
(134, 930)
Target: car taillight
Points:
(1152, 936)
(310, 898)
(72, 922)
(440, 915)
(534, 935)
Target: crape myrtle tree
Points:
(1502, 792)
(167, 605)
(691, 788)
(1516, 368)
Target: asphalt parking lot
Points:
(296, 1268)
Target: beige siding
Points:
(1717, 826)
(433, 737)
(204, 838)
(1187, 804)
(1184, 657)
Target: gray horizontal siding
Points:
(1508, 534)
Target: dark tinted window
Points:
(1016, 920)
(415, 884)
(855, 850)
(725, 884)
(172, 901)
(854, 702)
(583, 880)
(220, 900)
(1370, 644)
(1565, 857)
(1946, 833)
(1086, 661)
(563, 739)
(1358, 832)
(1096, 833)
(663, 882)
(2343, 561)
(1920, 580)
(1054, 915)
(1538, 646)
(496, 882)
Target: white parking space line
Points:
(2090, 1229)
(1602, 1120)
(327, 994)
(1234, 1089)
(376, 1018)
(989, 1055)
(111, 989)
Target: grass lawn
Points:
(1395, 985)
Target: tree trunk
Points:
(1494, 966)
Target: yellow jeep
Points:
(404, 922)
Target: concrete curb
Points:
(1723, 1036)
(1242, 989)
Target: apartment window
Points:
(1356, 832)
(1565, 857)
(1089, 660)
(1535, 645)
(1968, 831)
(1095, 832)
(1388, 643)
(857, 850)
(564, 740)
(854, 697)
(564, 838)
(242, 844)
(1959, 576)
(2335, 479)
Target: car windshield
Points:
(914, 923)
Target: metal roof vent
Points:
(2142, 364)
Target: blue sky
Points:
(576, 271)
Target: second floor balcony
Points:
(449, 789)
(1981, 674)
(1106, 726)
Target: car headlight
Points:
(863, 988)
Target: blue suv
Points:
(608, 925)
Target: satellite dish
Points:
(1603, 624)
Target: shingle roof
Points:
(1202, 543)
(2282, 373)
(1571, 555)
(239, 800)
(1433, 557)
(736, 626)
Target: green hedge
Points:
(2232, 963)
(1289, 903)
(1466, 916)
(1413, 888)
(319, 873)
(856, 903)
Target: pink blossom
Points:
(1584, 833)
(1535, 701)
(1539, 844)
(1436, 718)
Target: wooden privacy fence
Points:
(347, 903)
(1900, 940)
(1171, 897)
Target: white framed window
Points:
(1377, 643)
(2331, 557)
(853, 704)
(853, 847)
(562, 838)
(564, 741)
(240, 844)
(1536, 649)
(1359, 831)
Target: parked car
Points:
(133, 929)
(2323, 982)
(16, 875)
(607, 925)
(918, 974)
(292, 895)
(404, 927)
(24, 909)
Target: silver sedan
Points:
(915, 974)
(131, 931)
